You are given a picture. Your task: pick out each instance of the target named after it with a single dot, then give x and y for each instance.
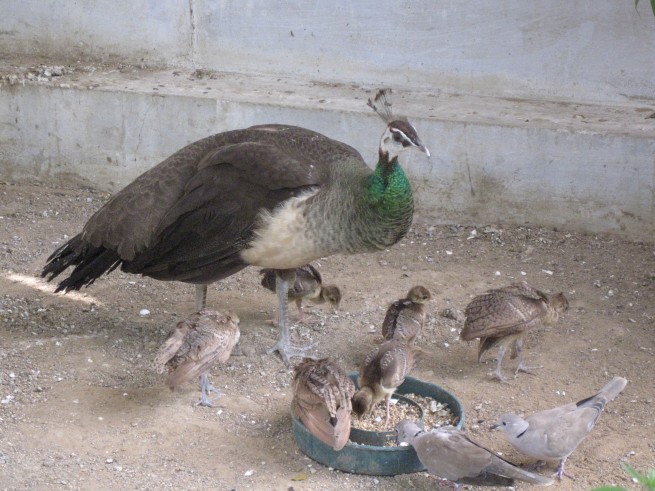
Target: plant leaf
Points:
(652, 5)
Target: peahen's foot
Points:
(287, 351)
(527, 369)
(497, 375)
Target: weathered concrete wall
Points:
(534, 111)
(594, 50)
(587, 167)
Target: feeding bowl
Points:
(370, 456)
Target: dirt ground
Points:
(82, 408)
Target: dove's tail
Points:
(522, 475)
(487, 479)
(504, 468)
(612, 389)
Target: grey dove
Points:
(197, 342)
(554, 434)
(383, 371)
(405, 317)
(307, 286)
(449, 454)
(322, 393)
(502, 316)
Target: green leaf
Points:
(652, 5)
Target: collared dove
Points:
(448, 453)
(307, 286)
(196, 343)
(555, 433)
(322, 393)
(405, 317)
(500, 317)
(383, 371)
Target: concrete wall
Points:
(600, 50)
(497, 89)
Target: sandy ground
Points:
(82, 408)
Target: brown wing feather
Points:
(500, 313)
(390, 321)
(214, 188)
(308, 283)
(203, 339)
(322, 400)
(395, 364)
(171, 346)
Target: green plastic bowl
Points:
(369, 459)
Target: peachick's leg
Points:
(388, 402)
(283, 345)
(205, 387)
(201, 297)
(518, 344)
(498, 374)
(301, 314)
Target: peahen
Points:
(273, 196)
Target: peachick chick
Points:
(405, 317)
(383, 371)
(196, 343)
(322, 393)
(503, 316)
(307, 286)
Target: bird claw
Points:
(206, 387)
(500, 377)
(286, 351)
(526, 369)
(206, 401)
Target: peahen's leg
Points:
(283, 345)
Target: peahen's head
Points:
(399, 134)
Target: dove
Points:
(322, 393)
(196, 343)
(554, 434)
(449, 454)
(405, 317)
(503, 316)
(383, 371)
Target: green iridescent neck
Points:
(389, 189)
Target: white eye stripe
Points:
(402, 134)
(396, 130)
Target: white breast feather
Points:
(281, 241)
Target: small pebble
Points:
(144, 312)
